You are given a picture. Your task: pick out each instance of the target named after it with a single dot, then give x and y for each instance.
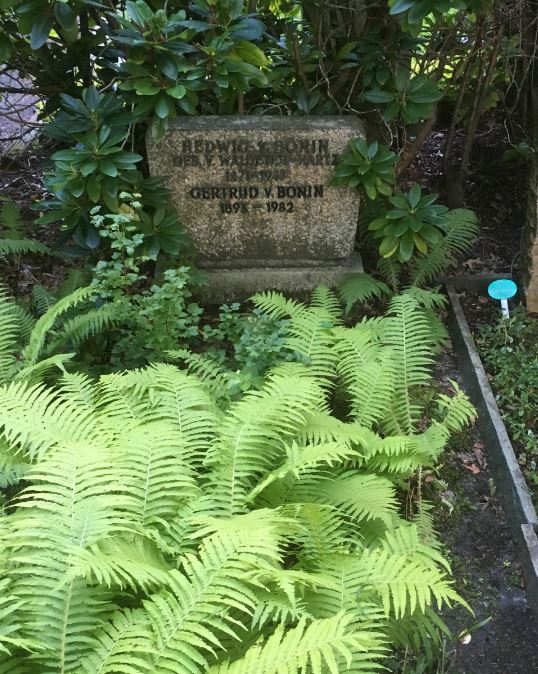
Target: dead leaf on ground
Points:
(478, 449)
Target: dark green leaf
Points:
(65, 16)
(108, 168)
(40, 32)
(248, 29)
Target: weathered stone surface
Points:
(254, 191)
(225, 285)
(530, 244)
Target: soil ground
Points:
(484, 562)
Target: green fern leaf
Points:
(359, 288)
(123, 645)
(461, 229)
(319, 646)
(276, 306)
(406, 332)
(42, 299)
(206, 369)
(77, 329)
(11, 221)
(46, 322)
(22, 246)
(254, 434)
(324, 298)
(9, 334)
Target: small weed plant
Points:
(509, 349)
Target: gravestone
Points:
(254, 194)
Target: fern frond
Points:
(26, 321)
(11, 221)
(362, 496)
(318, 645)
(70, 505)
(427, 298)
(33, 374)
(359, 288)
(372, 391)
(76, 330)
(461, 226)
(324, 298)
(304, 458)
(404, 585)
(114, 646)
(405, 540)
(42, 299)
(34, 419)
(75, 278)
(79, 389)
(391, 271)
(123, 563)
(367, 372)
(422, 633)
(275, 305)
(214, 377)
(254, 434)
(170, 394)
(157, 473)
(406, 332)
(188, 620)
(322, 528)
(9, 334)
(10, 639)
(47, 321)
(309, 335)
(321, 426)
(22, 246)
(457, 411)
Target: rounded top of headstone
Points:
(503, 289)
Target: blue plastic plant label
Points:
(503, 290)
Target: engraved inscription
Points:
(266, 190)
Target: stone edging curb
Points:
(511, 487)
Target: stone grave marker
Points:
(254, 195)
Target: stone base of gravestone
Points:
(530, 243)
(254, 194)
(225, 285)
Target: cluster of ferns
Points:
(152, 525)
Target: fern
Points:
(22, 246)
(407, 333)
(10, 327)
(42, 299)
(13, 241)
(322, 643)
(161, 528)
(275, 305)
(46, 322)
(359, 288)
(11, 221)
(208, 371)
(461, 226)
(324, 298)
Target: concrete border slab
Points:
(511, 487)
